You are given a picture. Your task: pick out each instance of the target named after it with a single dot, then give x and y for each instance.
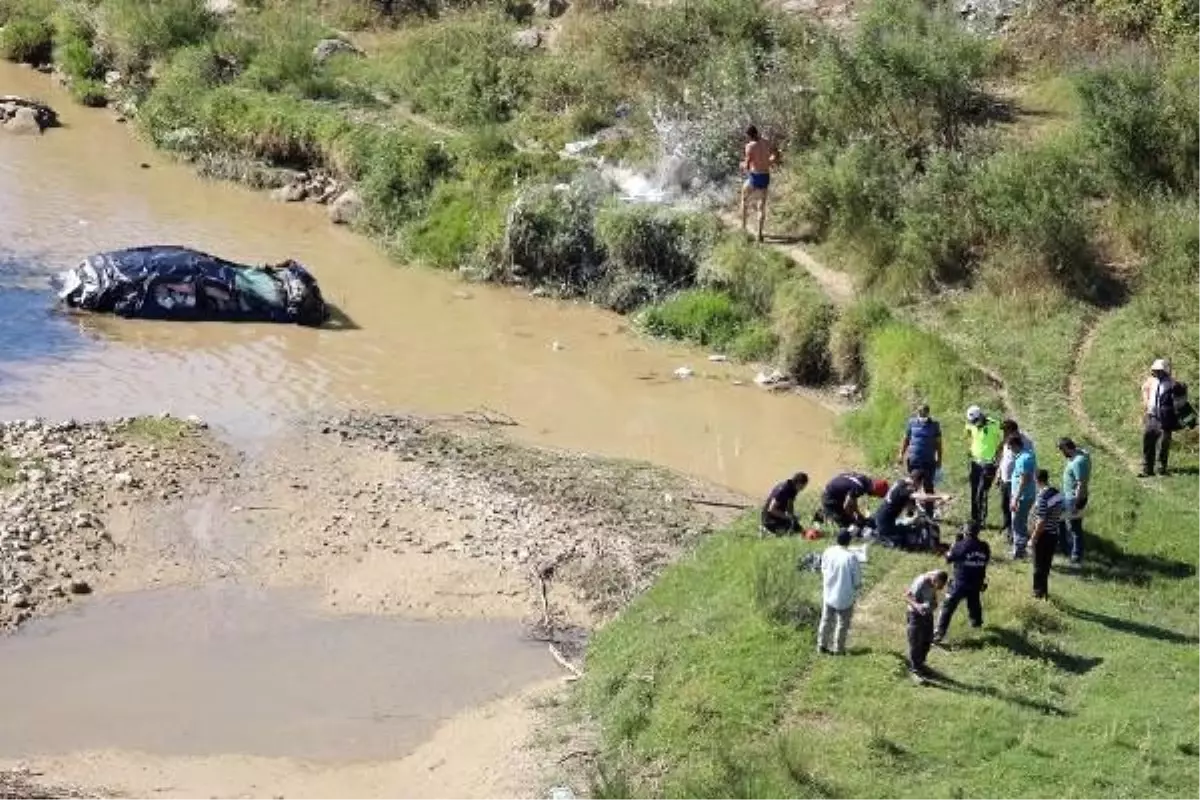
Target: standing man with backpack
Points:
(921, 449)
(1158, 403)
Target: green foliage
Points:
(282, 59)
(749, 273)
(801, 318)
(550, 237)
(138, 32)
(1033, 201)
(26, 40)
(89, 92)
(1139, 118)
(663, 246)
(401, 172)
(851, 332)
(1164, 21)
(910, 75)
(459, 220)
(705, 317)
(906, 365)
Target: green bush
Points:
(1034, 202)
(1165, 21)
(748, 273)
(73, 39)
(664, 245)
(89, 92)
(283, 60)
(26, 40)
(801, 320)
(702, 316)
(466, 73)
(1139, 118)
(401, 172)
(937, 232)
(458, 221)
(909, 74)
(849, 337)
(550, 237)
(137, 31)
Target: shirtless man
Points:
(760, 156)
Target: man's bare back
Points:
(758, 158)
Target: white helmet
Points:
(1160, 365)
(974, 414)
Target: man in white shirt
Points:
(841, 574)
(1157, 405)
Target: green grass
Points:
(8, 469)
(708, 686)
(159, 430)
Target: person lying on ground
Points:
(921, 598)
(969, 556)
(1004, 469)
(839, 500)
(841, 578)
(779, 511)
(921, 448)
(902, 498)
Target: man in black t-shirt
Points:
(970, 556)
(779, 511)
(839, 501)
(898, 500)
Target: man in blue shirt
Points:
(1024, 492)
(1076, 480)
(921, 449)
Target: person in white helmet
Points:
(1159, 420)
(985, 440)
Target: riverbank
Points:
(441, 522)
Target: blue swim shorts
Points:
(759, 180)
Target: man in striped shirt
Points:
(1048, 510)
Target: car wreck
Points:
(177, 283)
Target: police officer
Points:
(970, 556)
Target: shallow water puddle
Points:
(228, 669)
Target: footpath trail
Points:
(1089, 332)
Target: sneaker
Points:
(917, 678)
(824, 650)
(1018, 554)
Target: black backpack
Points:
(1180, 415)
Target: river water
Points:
(422, 341)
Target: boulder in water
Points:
(346, 208)
(21, 115)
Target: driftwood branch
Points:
(701, 501)
(576, 673)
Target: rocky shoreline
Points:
(58, 483)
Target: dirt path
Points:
(1087, 338)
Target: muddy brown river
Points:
(423, 341)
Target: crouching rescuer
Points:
(969, 557)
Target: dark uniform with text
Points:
(970, 557)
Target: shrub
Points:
(26, 40)
(550, 237)
(801, 320)
(282, 59)
(89, 92)
(73, 38)
(748, 273)
(401, 172)
(755, 342)
(458, 221)
(1140, 120)
(909, 74)
(937, 232)
(664, 245)
(849, 337)
(1034, 201)
(854, 189)
(703, 316)
(137, 31)
(1163, 20)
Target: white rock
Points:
(345, 208)
(24, 121)
(684, 372)
(717, 357)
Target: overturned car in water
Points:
(177, 283)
